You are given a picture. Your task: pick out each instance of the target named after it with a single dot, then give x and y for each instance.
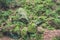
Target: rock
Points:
(56, 1)
(40, 29)
(22, 15)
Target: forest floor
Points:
(48, 14)
(47, 35)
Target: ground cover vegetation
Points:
(23, 18)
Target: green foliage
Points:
(24, 32)
(32, 28)
(17, 28)
(31, 14)
(56, 38)
(1, 35)
(39, 37)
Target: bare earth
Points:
(49, 34)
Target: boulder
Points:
(22, 15)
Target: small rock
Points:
(22, 15)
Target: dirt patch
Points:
(49, 34)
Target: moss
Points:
(39, 37)
(1, 34)
(56, 38)
(31, 28)
(24, 32)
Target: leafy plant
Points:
(32, 28)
